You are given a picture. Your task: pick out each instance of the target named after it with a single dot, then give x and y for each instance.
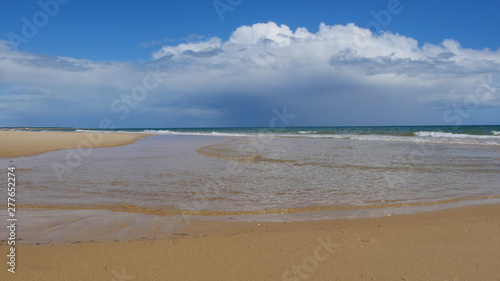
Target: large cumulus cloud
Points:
(339, 75)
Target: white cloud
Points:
(340, 72)
(189, 49)
(263, 33)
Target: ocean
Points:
(476, 135)
(288, 173)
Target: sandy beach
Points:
(21, 143)
(454, 244)
(457, 244)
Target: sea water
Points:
(250, 171)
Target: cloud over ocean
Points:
(338, 75)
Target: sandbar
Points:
(26, 143)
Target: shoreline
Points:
(62, 226)
(26, 143)
(453, 244)
(164, 211)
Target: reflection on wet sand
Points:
(172, 210)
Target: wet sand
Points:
(454, 244)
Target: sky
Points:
(236, 63)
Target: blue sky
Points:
(147, 63)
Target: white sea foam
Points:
(451, 135)
(420, 137)
(87, 131)
(452, 138)
(114, 132)
(169, 132)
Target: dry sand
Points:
(21, 143)
(455, 245)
